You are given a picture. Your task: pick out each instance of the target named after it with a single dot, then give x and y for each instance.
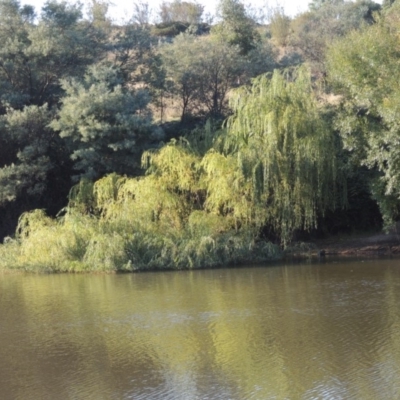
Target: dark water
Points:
(327, 331)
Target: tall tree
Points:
(106, 125)
(98, 15)
(34, 57)
(236, 27)
(201, 71)
(141, 13)
(34, 162)
(182, 72)
(280, 26)
(181, 11)
(363, 68)
(286, 150)
(313, 31)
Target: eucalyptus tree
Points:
(141, 13)
(387, 3)
(316, 4)
(98, 10)
(223, 68)
(132, 49)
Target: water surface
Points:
(328, 331)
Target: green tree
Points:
(106, 125)
(201, 71)
(180, 63)
(35, 167)
(284, 147)
(363, 68)
(236, 27)
(280, 27)
(313, 31)
(35, 53)
(27, 171)
(222, 68)
(98, 15)
(132, 50)
(181, 11)
(34, 57)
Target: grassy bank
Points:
(121, 225)
(78, 244)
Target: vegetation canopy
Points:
(193, 142)
(274, 164)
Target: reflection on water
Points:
(291, 332)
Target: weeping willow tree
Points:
(286, 150)
(273, 165)
(162, 220)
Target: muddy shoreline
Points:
(374, 244)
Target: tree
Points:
(34, 162)
(363, 68)
(280, 26)
(222, 68)
(106, 125)
(201, 71)
(387, 3)
(27, 172)
(236, 28)
(35, 170)
(180, 63)
(141, 13)
(132, 50)
(283, 146)
(314, 30)
(317, 4)
(34, 57)
(181, 11)
(98, 15)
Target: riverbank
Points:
(377, 243)
(138, 254)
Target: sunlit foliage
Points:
(274, 165)
(286, 150)
(363, 68)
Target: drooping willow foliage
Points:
(274, 164)
(286, 149)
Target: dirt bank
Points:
(375, 244)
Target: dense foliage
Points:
(363, 67)
(187, 145)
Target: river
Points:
(299, 331)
